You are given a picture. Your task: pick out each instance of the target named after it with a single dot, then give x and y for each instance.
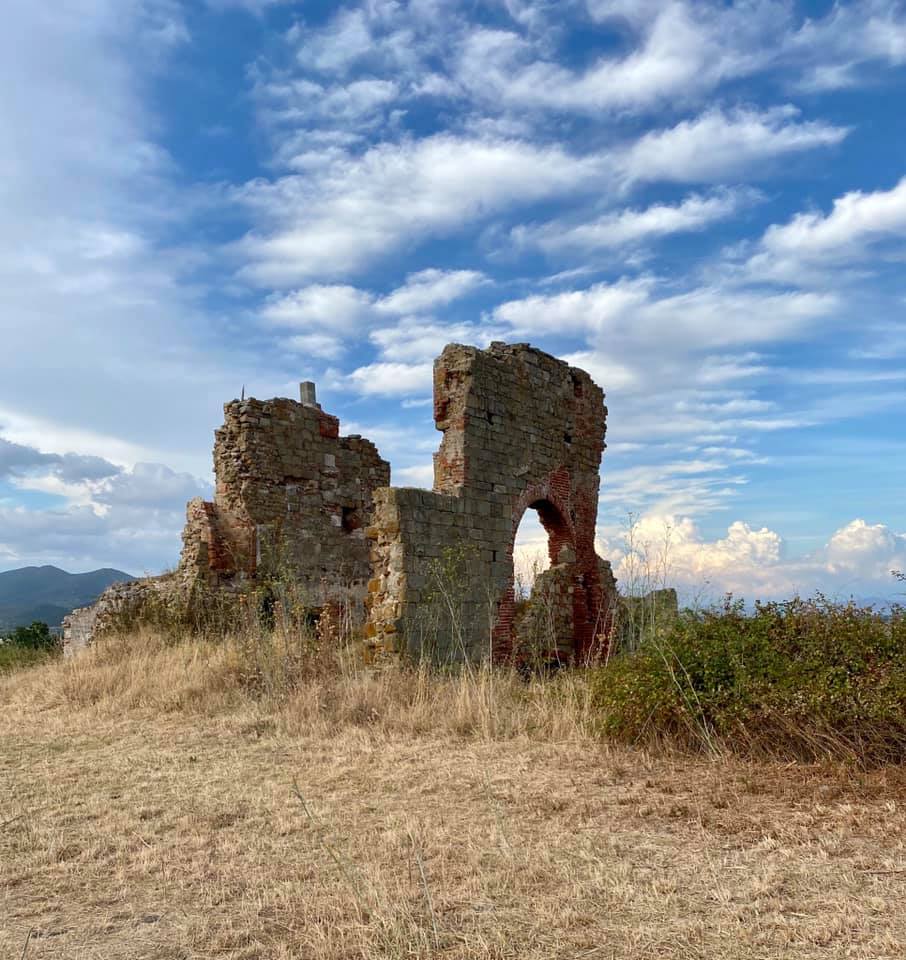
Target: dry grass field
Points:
(154, 803)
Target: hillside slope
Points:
(48, 593)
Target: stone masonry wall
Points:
(119, 604)
(521, 430)
(292, 501)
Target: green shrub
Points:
(28, 645)
(35, 637)
(803, 678)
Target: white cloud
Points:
(606, 372)
(431, 288)
(632, 226)
(421, 475)
(111, 516)
(338, 308)
(357, 209)
(671, 550)
(18, 460)
(347, 37)
(329, 315)
(392, 379)
(682, 51)
(100, 327)
(629, 312)
(417, 339)
(858, 223)
(720, 144)
(58, 439)
(836, 51)
(866, 550)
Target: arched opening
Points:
(537, 613)
(531, 554)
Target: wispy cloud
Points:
(719, 144)
(631, 226)
(348, 211)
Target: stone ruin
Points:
(295, 500)
(292, 501)
(521, 430)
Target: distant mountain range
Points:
(48, 593)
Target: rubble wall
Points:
(292, 501)
(522, 430)
(119, 605)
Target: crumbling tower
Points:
(292, 499)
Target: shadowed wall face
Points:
(521, 429)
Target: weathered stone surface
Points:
(118, 604)
(521, 429)
(292, 501)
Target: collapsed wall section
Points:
(115, 608)
(522, 430)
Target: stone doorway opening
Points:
(547, 591)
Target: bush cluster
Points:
(806, 677)
(27, 645)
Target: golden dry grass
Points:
(148, 810)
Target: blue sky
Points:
(703, 204)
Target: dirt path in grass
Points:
(183, 838)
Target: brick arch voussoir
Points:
(555, 493)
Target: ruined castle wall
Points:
(292, 501)
(78, 629)
(521, 430)
(120, 606)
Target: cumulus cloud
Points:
(865, 550)
(857, 227)
(335, 308)
(754, 563)
(431, 288)
(392, 379)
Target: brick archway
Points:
(551, 501)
